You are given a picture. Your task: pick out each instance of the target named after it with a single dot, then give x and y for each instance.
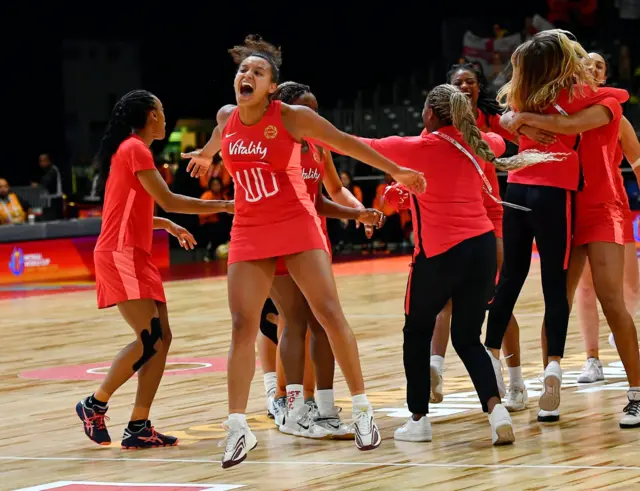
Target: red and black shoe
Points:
(146, 437)
(93, 417)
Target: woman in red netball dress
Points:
(309, 420)
(274, 217)
(125, 273)
(586, 300)
(599, 229)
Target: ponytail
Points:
(451, 106)
(129, 114)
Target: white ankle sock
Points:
(515, 377)
(270, 382)
(360, 402)
(325, 401)
(295, 396)
(239, 417)
(437, 361)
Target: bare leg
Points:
(587, 309)
(631, 275)
(607, 269)
(441, 333)
(311, 270)
(309, 379)
(281, 386)
(267, 353)
(139, 315)
(248, 283)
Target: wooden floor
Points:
(42, 442)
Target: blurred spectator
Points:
(629, 12)
(51, 181)
(215, 228)
(347, 182)
(12, 209)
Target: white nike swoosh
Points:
(229, 135)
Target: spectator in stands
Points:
(219, 171)
(629, 12)
(51, 182)
(344, 232)
(13, 210)
(214, 228)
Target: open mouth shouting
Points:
(246, 88)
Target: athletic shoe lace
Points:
(633, 408)
(230, 441)
(363, 421)
(98, 420)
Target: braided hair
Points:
(288, 92)
(129, 114)
(254, 45)
(452, 107)
(486, 103)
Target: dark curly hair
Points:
(487, 104)
(254, 45)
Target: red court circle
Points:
(97, 371)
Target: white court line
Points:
(328, 463)
(203, 487)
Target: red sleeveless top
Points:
(274, 214)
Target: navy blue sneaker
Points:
(147, 437)
(93, 420)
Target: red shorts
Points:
(124, 275)
(251, 243)
(599, 225)
(281, 267)
(629, 234)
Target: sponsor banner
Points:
(62, 259)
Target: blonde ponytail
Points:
(451, 106)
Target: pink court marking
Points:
(97, 371)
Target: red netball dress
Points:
(600, 210)
(122, 256)
(629, 236)
(312, 163)
(274, 214)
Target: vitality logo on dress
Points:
(239, 147)
(311, 175)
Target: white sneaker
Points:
(437, 382)
(591, 372)
(334, 426)
(367, 433)
(271, 403)
(501, 426)
(497, 369)
(516, 399)
(548, 416)
(279, 410)
(550, 398)
(631, 418)
(414, 431)
(240, 441)
(299, 422)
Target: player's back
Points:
(127, 215)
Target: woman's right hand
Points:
(199, 165)
(540, 136)
(373, 217)
(412, 179)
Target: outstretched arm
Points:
(329, 209)
(333, 184)
(153, 183)
(303, 122)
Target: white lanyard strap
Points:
(560, 110)
(485, 182)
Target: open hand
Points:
(373, 217)
(198, 165)
(412, 179)
(186, 240)
(538, 135)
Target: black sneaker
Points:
(93, 420)
(147, 437)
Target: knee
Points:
(167, 337)
(612, 305)
(329, 314)
(150, 342)
(244, 327)
(462, 341)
